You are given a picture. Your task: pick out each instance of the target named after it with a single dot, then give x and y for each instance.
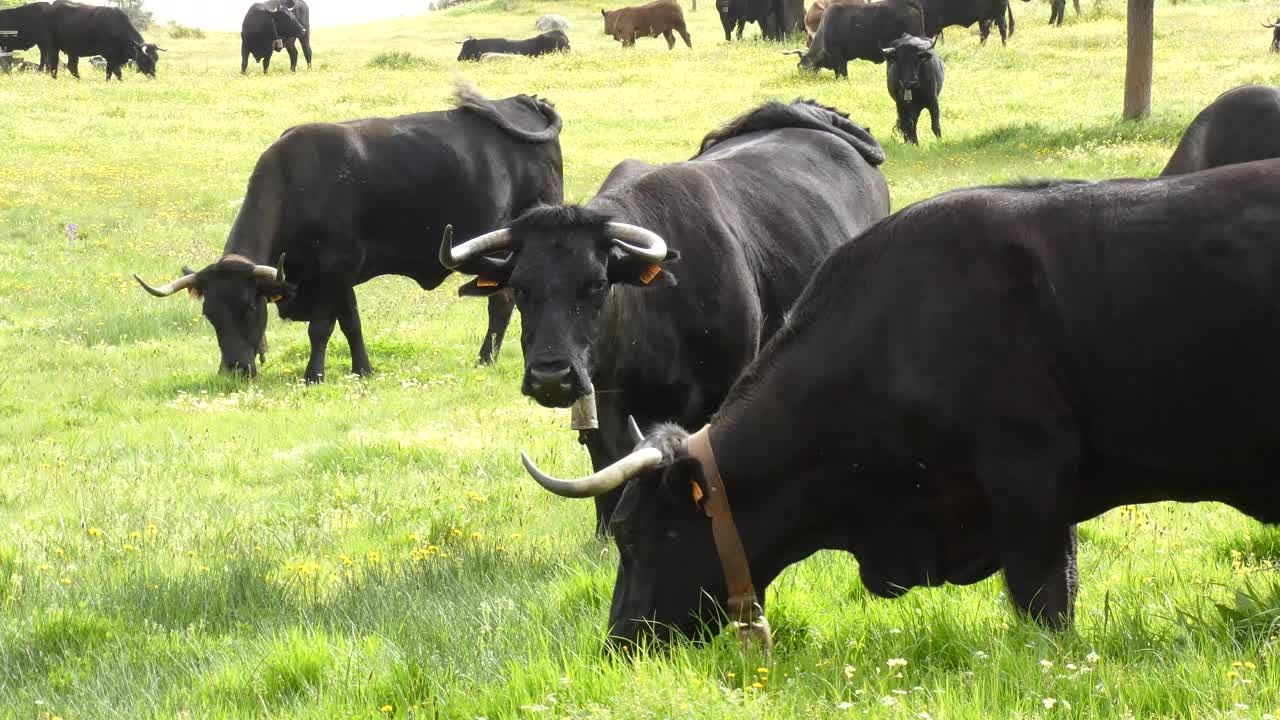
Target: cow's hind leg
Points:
(349, 322)
(266, 63)
(671, 39)
(1004, 34)
(684, 35)
(73, 65)
(501, 305)
(935, 117)
(244, 57)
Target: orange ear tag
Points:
(647, 276)
(697, 489)
(277, 298)
(486, 282)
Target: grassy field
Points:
(178, 544)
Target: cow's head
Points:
(147, 56)
(470, 49)
(808, 60)
(286, 22)
(610, 20)
(235, 293)
(670, 583)
(564, 262)
(906, 56)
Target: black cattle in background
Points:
(1242, 125)
(301, 13)
(860, 32)
(547, 42)
(769, 14)
(86, 30)
(961, 384)
(333, 205)
(264, 30)
(915, 74)
(32, 26)
(1058, 10)
(940, 14)
(605, 322)
(1275, 34)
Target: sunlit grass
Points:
(178, 544)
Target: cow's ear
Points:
(603, 14)
(481, 287)
(682, 481)
(888, 52)
(275, 291)
(630, 270)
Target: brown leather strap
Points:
(744, 605)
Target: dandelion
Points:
(386, 708)
(95, 532)
(757, 686)
(1049, 703)
(43, 568)
(59, 552)
(516, 536)
(762, 670)
(413, 537)
(897, 662)
(731, 675)
(1046, 664)
(1237, 664)
(135, 535)
(375, 557)
(1250, 666)
(476, 536)
(1232, 674)
(66, 581)
(128, 548)
(1093, 657)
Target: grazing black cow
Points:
(301, 13)
(1275, 34)
(915, 76)
(860, 32)
(1058, 10)
(85, 30)
(768, 13)
(939, 14)
(547, 42)
(265, 28)
(1242, 125)
(749, 217)
(32, 28)
(965, 381)
(351, 201)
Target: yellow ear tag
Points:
(486, 282)
(647, 276)
(697, 489)
(277, 298)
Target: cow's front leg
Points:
(501, 305)
(293, 57)
(671, 39)
(935, 116)
(73, 65)
(319, 330)
(349, 321)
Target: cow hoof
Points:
(313, 378)
(365, 371)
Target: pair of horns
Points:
(1271, 25)
(797, 53)
(266, 272)
(631, 239)
(610, 478)
(892, 50)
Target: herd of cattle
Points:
(943, 392)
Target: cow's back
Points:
(862, 31)
(30, 24)
(1241, 125)
(83, 30)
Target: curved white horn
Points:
(451, 257)
(181, 283)
(634, 240)
(598, 483)
(633, 431)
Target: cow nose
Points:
(551, 384)
(546, 374)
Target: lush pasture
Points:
(176, 544)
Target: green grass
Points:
(178, 544)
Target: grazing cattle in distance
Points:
(660, 17)
(547, 42)
(547, 23)
(301, 13)
(915, 76)
(1058, 10)
(1242, 125)
(348, 202)
(265, 28)
(813, 17)
(32, 27)
(605, 324)
(860, 32)
(939, 14)
(767, 13)
(961, 384)
(1275, 34)
(84, 30)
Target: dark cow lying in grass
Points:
(348, 202)
(915, 76)
(660, 17)
(547, 42)
(960, 385)
(1242, 125)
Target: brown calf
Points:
(659, 17)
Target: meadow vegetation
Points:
(178, 544)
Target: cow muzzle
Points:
(552, 384)
(241, 368)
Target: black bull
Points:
(1241, 125)
(965, 381)
(267, 28)
(749, 216)
(340, 204)
(85, 30)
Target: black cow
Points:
(1058, 10)
(749, 217)
(547, 42)
(265, 29)
(301, 13)
(860, 32)
(768, 13)
(965, 381)
(349, 202)
(915, 76)
(30, 22)
(939, 14)
(86, 30)
(1242, 125)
